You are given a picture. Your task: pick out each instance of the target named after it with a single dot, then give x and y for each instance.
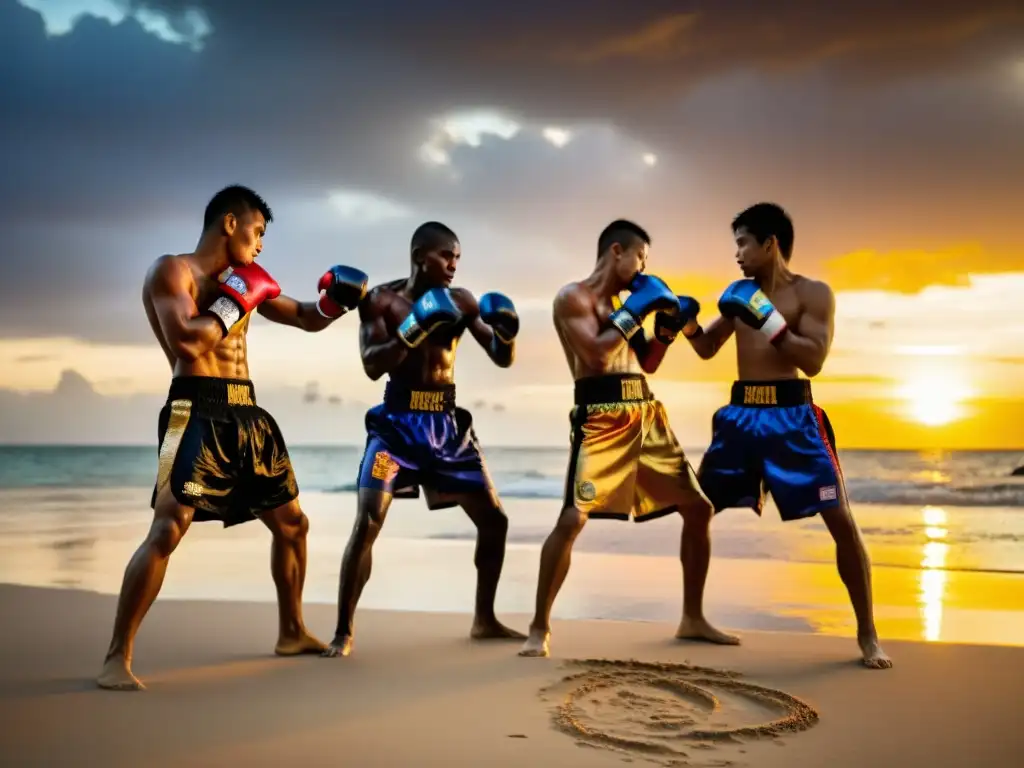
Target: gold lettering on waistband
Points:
(760, 395)
(426, 401)
(238, 394)
(632, 389)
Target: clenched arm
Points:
(574, 314)
(649, 351)
(298, 314)
(189, 335)
(807, 345)
(707, 343)
(380, 350)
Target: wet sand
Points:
(417, 692)
(82, 538)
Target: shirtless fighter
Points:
(409, 330)
(221, 456)
(772, 433)
(624, 458)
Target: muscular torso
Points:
(756, 358)
(623, 361)
(228, 359)
(432, 363)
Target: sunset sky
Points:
(893, 136)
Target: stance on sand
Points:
(221, 456)
(772, 436)
(409, 330)
(624, 460)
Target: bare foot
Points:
(340, 646)
(294, 646)
(700, 629)
(537, 645)
(116, 675)
(493, 629)
(874, 656)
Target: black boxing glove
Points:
(341, 289)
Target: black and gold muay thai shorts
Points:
(220, 453)
(625, 461)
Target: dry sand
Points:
(417, 692)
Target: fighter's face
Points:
(437, 266)
(751, 256)
(629, 262)
(245, 236)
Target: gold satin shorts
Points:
(625, 461)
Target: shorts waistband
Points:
(402, 398)
(783, 393)
(612, 388)
(213, 391)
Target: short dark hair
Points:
(431, 235)
(235, 199)
(765, 220)
(623, 232)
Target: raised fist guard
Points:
(418, 437)
(625, 461)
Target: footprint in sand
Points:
(671, 713)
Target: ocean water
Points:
(944, 531)
(937, 510)
(937, 478)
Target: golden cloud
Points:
(912, 271)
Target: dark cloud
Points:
(112, 140)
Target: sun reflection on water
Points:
(933, 575)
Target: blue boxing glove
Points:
(434, 309)
(647, 294)
(667, 326)
(743, 299)
(498, 311)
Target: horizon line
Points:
(495, 446)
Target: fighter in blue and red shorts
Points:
(418, 437)
(772, 436)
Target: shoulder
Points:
(815, 295)
(465, 301)
(169, 272)
(572, 297)
(376, 299)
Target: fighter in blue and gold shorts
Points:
(421, 438)
(220, 453)
(624, 460)
(772, 437)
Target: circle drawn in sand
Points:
(666, 712)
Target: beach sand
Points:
(417, 692)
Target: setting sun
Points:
(935, 400)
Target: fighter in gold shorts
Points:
(625, 461)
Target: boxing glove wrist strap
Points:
(774, 327)
(411, 332)
(625, 323)
(226, 311)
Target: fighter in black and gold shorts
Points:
(221, 453)
(625, 460)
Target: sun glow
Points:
(935, 399)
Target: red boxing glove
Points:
(244, 289)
